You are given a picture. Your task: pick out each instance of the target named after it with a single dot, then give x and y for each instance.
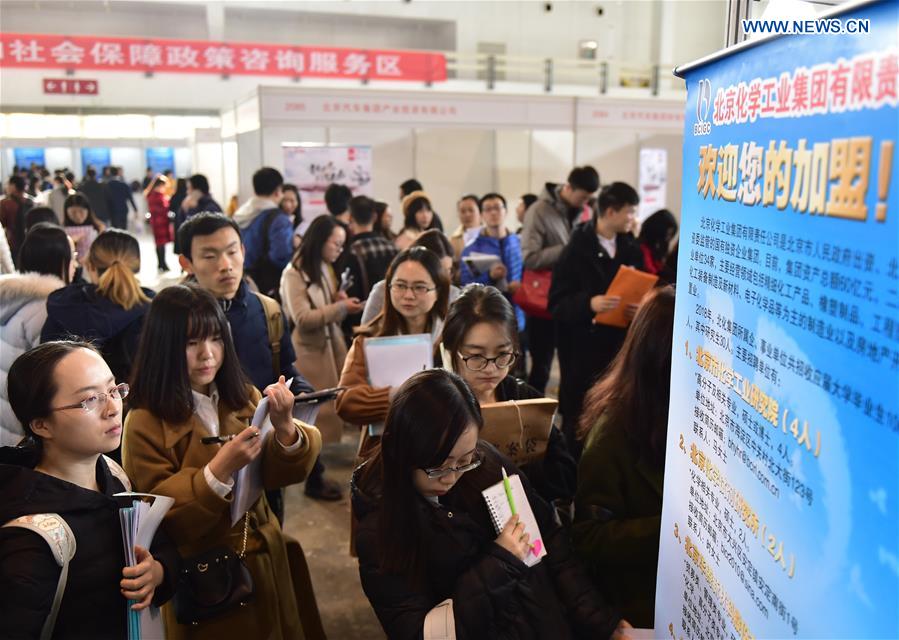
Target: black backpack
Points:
(265, 273)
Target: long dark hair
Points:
(160, 382)
(391, 321)
(308, 257)
(654, 232)
(414, 203)
(416, 437)
(46, 249)
(477, 303)
(298, 214)
(32, 385)
(633, 393)
(78, 199)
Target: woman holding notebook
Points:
(429, 550)
(480, 344)
(58, 486)
(186, 437)
(418, 290)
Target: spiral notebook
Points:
(501, 511)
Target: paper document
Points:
(501, 511)
(140, 518)
(393, 360)
(248, 480)
(480, 263)
(631, 284)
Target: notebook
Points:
(501, 511)
(631, 285)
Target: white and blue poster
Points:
(781, 506)
(95, 157)
(161, 159)
(26, 156)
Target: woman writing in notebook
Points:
(418, 289)
(186, 437)
(480, 343)
(71, 409)
(426, 536)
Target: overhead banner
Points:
(144, 55)
(781, 505)
(313, 168)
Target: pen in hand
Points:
(222, 439)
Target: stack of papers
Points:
(392, 360)
(140, 518)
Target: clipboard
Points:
(631, 284)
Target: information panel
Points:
(782, 471)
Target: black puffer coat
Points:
(494, 594)
(92, 606)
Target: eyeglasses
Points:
(92, 403)
(434, 474)
(479, 363)
(416, 289)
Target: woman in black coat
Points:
(71, 408)
(425, 536)
(480, 343)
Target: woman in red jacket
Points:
(158, 203)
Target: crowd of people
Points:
(107, 385)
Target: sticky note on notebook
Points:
(501, 511)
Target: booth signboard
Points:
(96, 157)
(26, 156)
(653, 181)
(781, 505)
(313, 168)
(161, 159)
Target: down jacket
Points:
(23, 311)
(494, 594)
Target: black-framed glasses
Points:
(434, 474)
(479, 363)
(416, 289)
(93, 402)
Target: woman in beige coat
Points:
(310, 296)
(188, 386)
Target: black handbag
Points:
(213, 582)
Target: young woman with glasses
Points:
(426, 542)
(70, 406)
(416, 302)
(480, 343)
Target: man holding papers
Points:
(581, 280)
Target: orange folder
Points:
(631, 284)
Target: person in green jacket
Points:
(618, 504)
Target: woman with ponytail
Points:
(109, 310)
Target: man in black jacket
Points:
(95, 192)
(118, 195)
(581, 278)
(213, 253)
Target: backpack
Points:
(56, 532)
(274, 323)
(265, 273)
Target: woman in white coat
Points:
(311, 298)
(46, 263)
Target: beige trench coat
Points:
(168, 459)
(317, 337)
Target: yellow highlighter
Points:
(508, 487)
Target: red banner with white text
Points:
(196, 56)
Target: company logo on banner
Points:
(192, 56)
(702, 127)
(780, 516)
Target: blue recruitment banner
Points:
(781, 506)
(161, 159)
(26, 156)
(96, 157)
